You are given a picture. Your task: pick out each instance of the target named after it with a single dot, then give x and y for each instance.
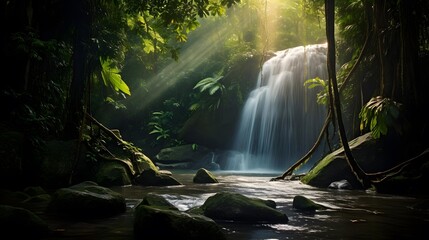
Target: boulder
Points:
(204, 176)
(155, 200)
(188, 153)
(155, 223)
(371, 155)
(86, 200)
(155, 178)
(143, 162)
(304, 204)
(20, 223)
(229, 206)
(112, 174)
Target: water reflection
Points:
(351, 214)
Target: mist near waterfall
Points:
(281, 118)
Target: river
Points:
(352, 214)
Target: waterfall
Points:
(281, 119)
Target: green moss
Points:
(304, 204)
(237, 207)
(318, 168)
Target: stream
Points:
(352, 214)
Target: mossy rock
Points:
(155, 223)
(144, 162)
(204, 176)
(87, 200)
(369, 153)
(304, 204)
(155, 178)
(237, 207)
(155, 200)
(112, 174)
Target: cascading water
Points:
(281, 118)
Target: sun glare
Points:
(258, 20)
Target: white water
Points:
(281, 118)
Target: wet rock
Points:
(204, 176)
(155, 223)
(304, 204)
(372, 155)
(143, 162)
(21, 223)
(342, 184)
(237, 207)
(86, 200)
(112, 174)
(155, 200)
(154, 178)
(180, 154)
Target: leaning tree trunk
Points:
(330, 13)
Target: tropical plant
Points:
(159, 124)
(322, 96)
(161, 132)
(380, 114)
(213, 90)
(210, 85)
(112, 78)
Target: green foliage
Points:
(162, 133)
(194, 147)
(117, 105)
(380, 114)
(158, 123)
(165, 124)
(210, 85)
(112, 78)
(211, 89)
(300, 22)
(322, 96)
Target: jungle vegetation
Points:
(148, 68)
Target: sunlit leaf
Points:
(214, 89)
(112, 78)
(148, 46)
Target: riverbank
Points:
(352, 214)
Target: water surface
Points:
(351, 214)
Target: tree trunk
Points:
(330, 13)
(409, 50)
(75, 101)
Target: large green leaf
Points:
(379, 114)
(112, 78)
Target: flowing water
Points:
(281, 119)
(280, 122)
(352, 214)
